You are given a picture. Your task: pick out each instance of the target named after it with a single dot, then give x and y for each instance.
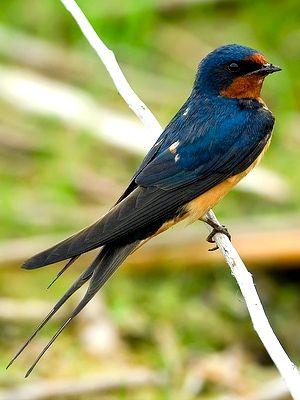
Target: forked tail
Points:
(98, 272)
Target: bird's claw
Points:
(217, 229)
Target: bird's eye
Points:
(233, 67)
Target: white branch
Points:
(109, 60)
(287, 369)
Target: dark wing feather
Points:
(149, 157)
(105, 265)
(99, 271)
(143, 208)
(208, 154)
(172, 132)
(226, 146)
(139, 215)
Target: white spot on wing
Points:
(177, 157)
(174, 146)
(186, 111)
(158, 143)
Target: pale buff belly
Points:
(198, 207)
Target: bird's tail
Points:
(98, 272)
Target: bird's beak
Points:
(265, 69)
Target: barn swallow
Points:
(214, 140)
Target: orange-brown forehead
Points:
(258, 58)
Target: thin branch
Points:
(244, 279)
(109, 60)
(287, 369)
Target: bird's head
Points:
(233, 71)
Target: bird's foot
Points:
(216, 229)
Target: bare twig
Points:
(286, 368)
(260, 322)
(109, 60)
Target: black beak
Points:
(265, 69)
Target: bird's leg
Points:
(216, 228)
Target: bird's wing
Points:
(148, 158)
(170, 134)
(207, 155)
(163, 187)
(97, 273)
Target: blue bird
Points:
(214, 140)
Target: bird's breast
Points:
(198, 207)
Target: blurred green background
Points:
(183, 324)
